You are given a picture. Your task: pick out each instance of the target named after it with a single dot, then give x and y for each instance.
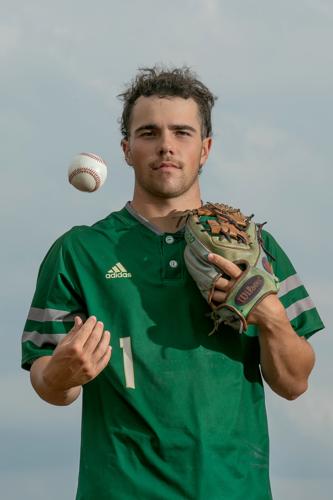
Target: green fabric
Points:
(194, 426)
(307, 322)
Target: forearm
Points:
(44, 388)
(286, 359)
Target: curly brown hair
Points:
(164, 82)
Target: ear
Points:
(205, 150)
(126, 149)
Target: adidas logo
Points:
(117, 271)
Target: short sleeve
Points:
(56, 301)
(299, 306)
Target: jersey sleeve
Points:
(56, 301)
(299, 306)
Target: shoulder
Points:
(299, 306)
(279, 259)
(271, 243)
(84, 233)
(84, 237)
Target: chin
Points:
(169, 196)
(168, 188)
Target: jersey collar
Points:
(146, 222)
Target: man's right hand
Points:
(78, 358)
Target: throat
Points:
(169, 222)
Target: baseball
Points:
(87, 172)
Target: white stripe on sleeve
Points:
(289, 284)
(38, 314)
(43, 338)
(299, 307)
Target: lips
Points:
(165, 165)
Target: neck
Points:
(162, 212)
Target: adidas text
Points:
(118, 275)
(118, 271)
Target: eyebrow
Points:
(153, 126)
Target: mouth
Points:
(166, 165)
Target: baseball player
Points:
(174, 413)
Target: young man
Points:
(175, 413)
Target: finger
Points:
(77, 325)
(94, 338)
(102, 345)
(219, 297)
(226, 265)
(223, 284)
(84, 332)
(102, 363)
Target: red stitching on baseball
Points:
(94, 157)
(86, 170)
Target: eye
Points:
(183, 132)
(147, 133)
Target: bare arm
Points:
(286, 359)
(45, 390)
(79, 358)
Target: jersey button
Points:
(173, 264)
(169, 239)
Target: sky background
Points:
(62, 65)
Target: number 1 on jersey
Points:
(125, 344)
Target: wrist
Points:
(57, 394)
(43, 380)
(53, 390)
(269, 314)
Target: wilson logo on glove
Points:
(249, 290)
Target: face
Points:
(165, 147)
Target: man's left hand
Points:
(270, 306)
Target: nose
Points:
(165, 145)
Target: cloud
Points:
(260, 48)
(40, 442)
(9, 41)
(45, 481)
(301, 434)
(300, 488)
(23, 406)
(309, 415)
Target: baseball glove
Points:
(223, 230)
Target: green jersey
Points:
(176, 414)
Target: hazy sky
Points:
(62, 66)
